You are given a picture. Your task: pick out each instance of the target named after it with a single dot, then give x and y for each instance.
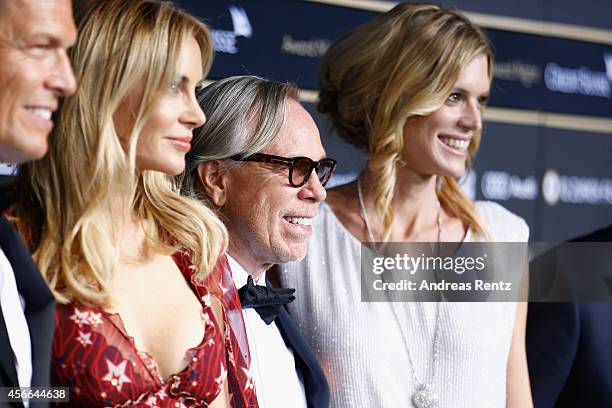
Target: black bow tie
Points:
(266, 301)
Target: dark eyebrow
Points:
(465, 91)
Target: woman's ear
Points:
(212, 178)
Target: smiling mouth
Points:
(304, 221)
(455, 143)
(42, 113)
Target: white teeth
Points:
(41, 112)
(299, 220)
(455, 143)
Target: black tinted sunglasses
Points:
(300, 168)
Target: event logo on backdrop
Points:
(579, 81)
(226, 40)
(284, 39)
(551, 187)
(551, 74)
(567, 189)
(503, 186)
(608, 64)
(313, 48)
(525, 73)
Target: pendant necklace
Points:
(424, 396)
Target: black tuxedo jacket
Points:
(306, 363)
(39, 313)
(569, 349)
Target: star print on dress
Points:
(249, 385)
(116, 374)
(84, 338)
(224, 289)
(151, 401)
(210, 342)
(161, 394)
(230, 353)
(95, 319)
(205, 316)
(222, 375)
(79, 317)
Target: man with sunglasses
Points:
(259, 162)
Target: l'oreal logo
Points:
(224, 40)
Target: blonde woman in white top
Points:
(409, 87)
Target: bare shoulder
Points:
(344, 203)
(338, 196)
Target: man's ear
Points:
(213, 181)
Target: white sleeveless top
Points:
(360, 345)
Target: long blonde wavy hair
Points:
(72, 204)
(400, 64)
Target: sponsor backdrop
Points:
(559, 180)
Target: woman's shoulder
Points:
(340, 198)
(340, 211)
(503, 224)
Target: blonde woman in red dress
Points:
(146, 313)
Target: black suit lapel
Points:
(315, 383)
(39, 302)
(8, 375)
(292, 336)
(30, 283)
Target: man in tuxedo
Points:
(569, 343)
(34, 73)
(260, 163)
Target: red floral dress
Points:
(93, 355)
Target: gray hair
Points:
(243, 117)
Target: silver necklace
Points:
(424, 396)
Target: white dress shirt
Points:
(16, 324)
(272, 363)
